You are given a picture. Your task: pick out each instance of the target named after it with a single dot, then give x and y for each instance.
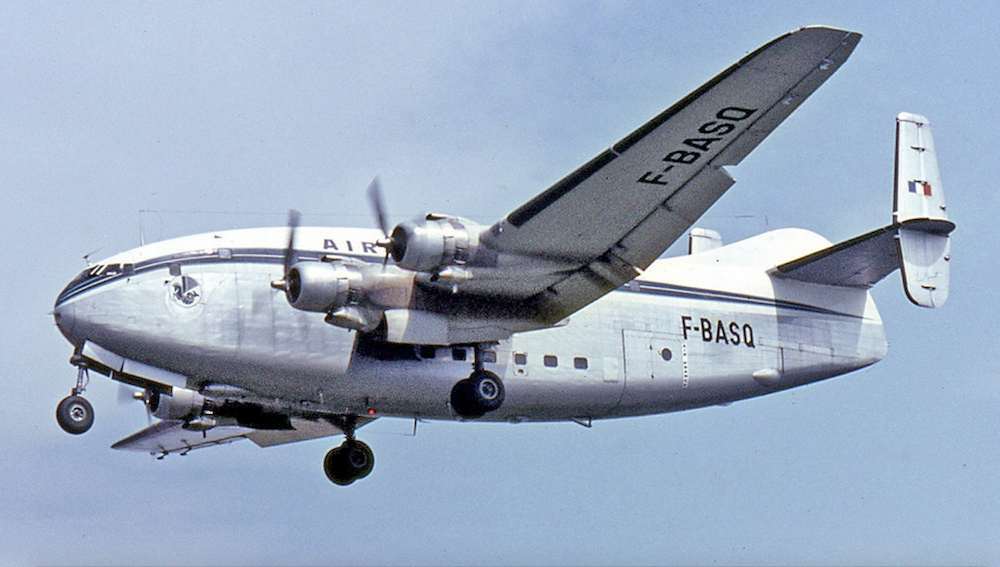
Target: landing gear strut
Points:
(74, 413)
(480, 393)
(352, 461)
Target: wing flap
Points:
(668, 222)
(302, 430)
(584, 286)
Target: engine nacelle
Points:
(182, 404)
(434, 243)
(323, 286)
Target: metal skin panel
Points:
(241, 332)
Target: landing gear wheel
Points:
(75, 415)
(352, 461)
(478, 394)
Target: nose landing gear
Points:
(74, 413)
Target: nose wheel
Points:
(74, 413)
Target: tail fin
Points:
(917, 240)
(920, 214)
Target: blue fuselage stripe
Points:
(277, 257)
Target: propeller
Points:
(377, 204)
(293, 225)
(291, 256)
(128, 395)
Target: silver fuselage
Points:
(691, 331)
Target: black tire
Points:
(351, 461)
(477, 395)
(75, 415)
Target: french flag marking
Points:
(920, 187)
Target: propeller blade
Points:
(374, 193)
(126, 394)
(377, 204)
(293, 225)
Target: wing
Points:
(164, 437)
(619, 212)
(170, 436)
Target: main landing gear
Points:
(74, 413)
(480, 393)
(352, 461)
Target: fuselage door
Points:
(650, 356)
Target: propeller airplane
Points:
(562, 310)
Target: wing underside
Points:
(616, 214)
(172, 436)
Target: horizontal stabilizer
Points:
(859, 262)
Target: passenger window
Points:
(580, 363)
(550, 361)
(520, 358)
(458, 354)
(666, 354)
(427, 352)
(489, 356)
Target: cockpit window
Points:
(101, 271)
(112, 270)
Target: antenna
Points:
(86, 257)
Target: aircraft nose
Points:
(65, 316)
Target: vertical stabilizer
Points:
(920, 213)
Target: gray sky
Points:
(227, 114)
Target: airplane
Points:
(562, 310)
